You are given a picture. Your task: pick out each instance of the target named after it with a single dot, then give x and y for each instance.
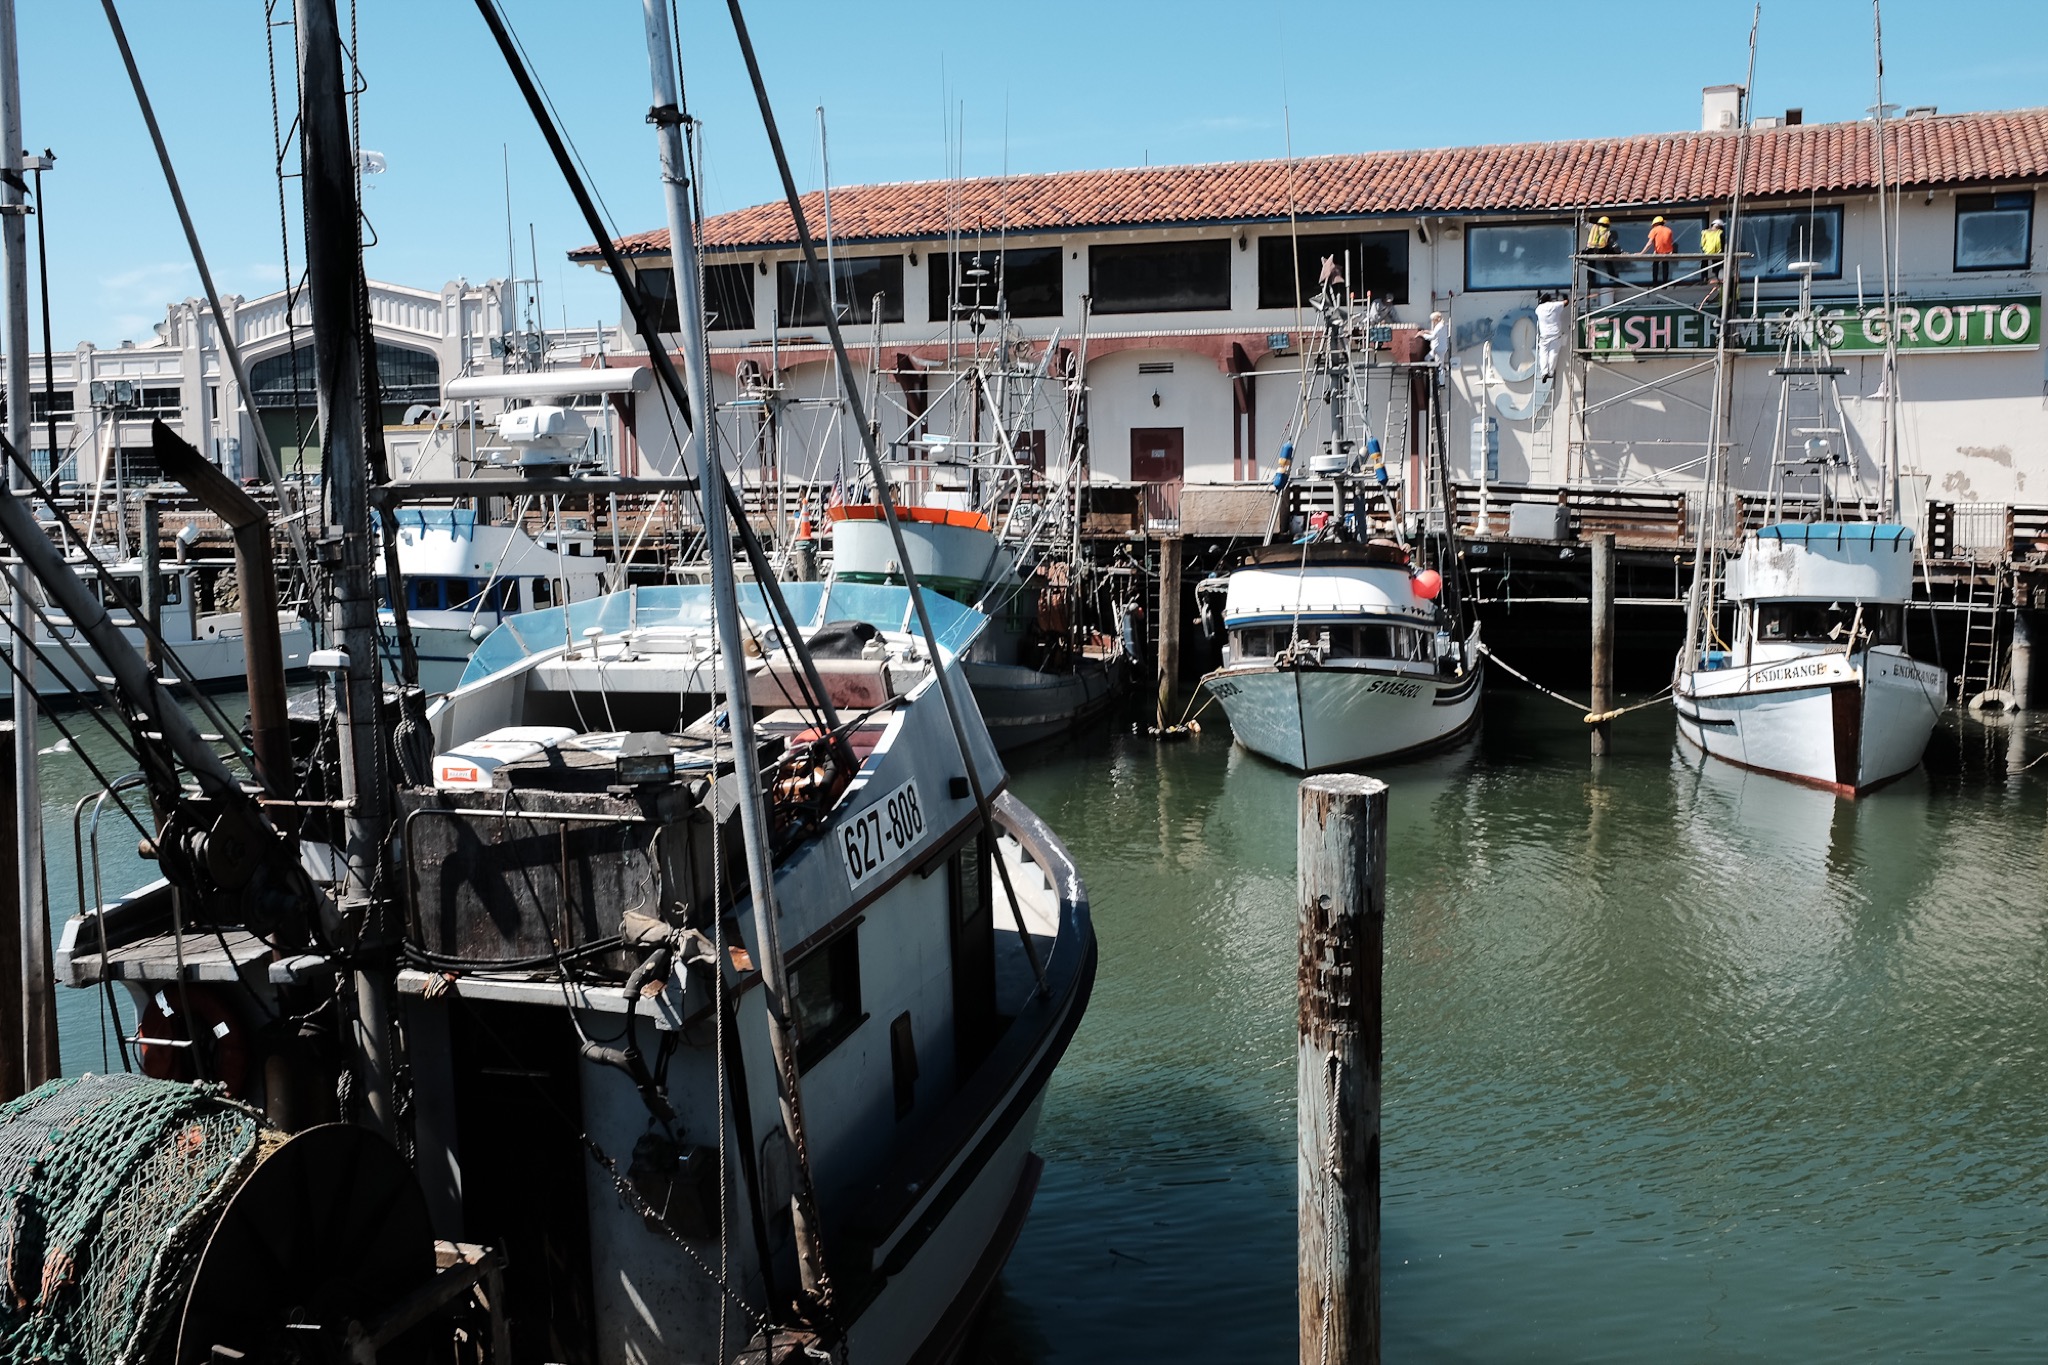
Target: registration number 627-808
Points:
(874, 839)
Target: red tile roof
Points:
(1654, 169)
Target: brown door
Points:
(1158, 461)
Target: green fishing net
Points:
(108, 1189)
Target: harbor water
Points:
(1681, 1063)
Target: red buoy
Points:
(1428, 583)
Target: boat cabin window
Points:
(460, 594)
(824, 989)
(1825, 623)
(1256, 643)
(1403, 643)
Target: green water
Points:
(1682, 1064)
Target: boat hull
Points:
(1847, 725)
(1022, 705)
(1312, 719)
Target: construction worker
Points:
(1550, 324)
(1713, 242)
(1661, 244)
(1600, 242)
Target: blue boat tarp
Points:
(881, 605)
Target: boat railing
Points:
(85, 848)
(688, 607)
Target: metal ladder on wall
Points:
(1984, 596)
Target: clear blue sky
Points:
(1046, 85)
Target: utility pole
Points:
(39, 1021)
(333, 275)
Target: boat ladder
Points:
(1984, 596)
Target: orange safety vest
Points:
(1662, 242)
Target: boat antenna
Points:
(882, 494)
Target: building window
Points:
(43, 406)
(1995, 231)
(824, 990)
(161, 402)
(1373, 263)
(1160, 277)
(1028, 280)
(1632, 235)
(288, 381)
(1776, 241)
(657, 288)
(728, 298)
(1521, 256)
(802, 299)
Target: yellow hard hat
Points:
(1655, 221)
(1603, 221)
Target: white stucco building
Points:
(1190, 274)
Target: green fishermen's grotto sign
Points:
(1845, 326)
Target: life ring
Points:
(165, 1024)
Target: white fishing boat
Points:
(208, 643)
(1346, 642)
(1816, 685)
(462, 576)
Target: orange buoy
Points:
(1428, 583)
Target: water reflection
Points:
(1682, 1062)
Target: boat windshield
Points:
(1809, 623)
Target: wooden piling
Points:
(1170, 559)
(13, 1079)
(1341, 877)
(1603, 637)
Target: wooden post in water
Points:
(1169, 622)
(13, 1079)
(1341, 875)
(1603, 637)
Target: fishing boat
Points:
(462, 576)
(208, 643)
(985, 527)
(1816, 684)
(1033, 674)
(1345, 636)
(683, 985)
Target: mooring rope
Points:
(1590, 716)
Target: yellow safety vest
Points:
(1711, 242)
(1600, 238)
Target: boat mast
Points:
(37, 1002)
(667, 117)
(1700, 604)
(333, 275)
(1889, 432)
